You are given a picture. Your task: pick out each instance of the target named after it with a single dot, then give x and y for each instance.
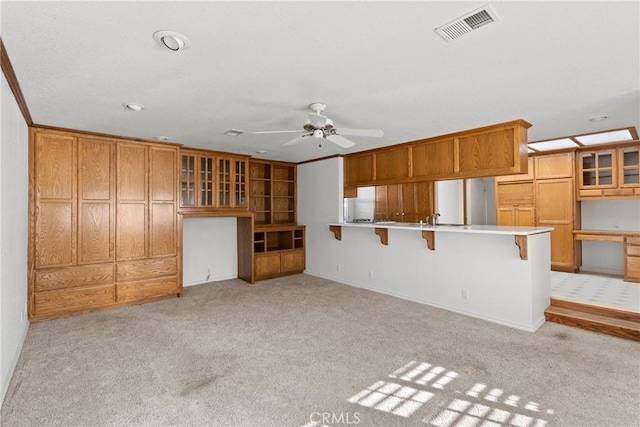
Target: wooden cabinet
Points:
(98, 203)
(278, 251)
(210, 180)
(556, 207)
(232, 182)
(515, 204)
(272, 189)
(609, 173)
(544, 197)
(409, 202)
(632, 259)
(493, 150)
(197, 174)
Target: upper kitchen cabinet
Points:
(528, 176)
(551, 166)
(210, 180)
(609, 173)
(490, 151)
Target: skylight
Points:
(554, 144)
(605, 137)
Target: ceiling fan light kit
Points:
(321, 127)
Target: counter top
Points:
(480, 229)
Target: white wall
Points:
(209, 249)
(617, 215)
(14, 193)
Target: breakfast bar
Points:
(453, 269)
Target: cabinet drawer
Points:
(632, 271)
(633, 240)
(267, 264)
(293, 261)
(633, 250)
(590, 193)
(146, 269)
(67, 301)
(144, 290)
(618, 191)
(72, 277)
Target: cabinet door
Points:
(392, 164)
(206, 178)
(597, 169)
(505, 216)
(224, 182)
(433, 159)
(55, 200)
(267, 264)
(381, 211)
(487, 151)
(555, 208)
(425, 193)
(96, 201)
(131, 222)
(240, 183)
(629, 170)
(292, 261)
(525, 216)
(358, 169)
(510, 194)
(409, 203)
(554, 166)
(394, 202)
(162, 200)
(188, 180)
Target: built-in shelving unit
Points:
(272, 192)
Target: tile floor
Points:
(596, 289)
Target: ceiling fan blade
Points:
(295, 140)
(318, 121)
(281, 131)
(341, 141)
(360, 132)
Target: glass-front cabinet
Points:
(212, 180)
(609, 173)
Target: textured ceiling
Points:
(258, 65)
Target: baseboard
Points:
(535, 325)
(215, 279)
(599, 270)
(14, 362)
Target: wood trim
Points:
(316, 160)
(594, 322)
(337, 231)
(383, 233)
(215, 212)
(86, 133)
(10, 75)
(521, 243)
(585, 234)
(618, 313)
(430, 237)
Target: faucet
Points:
(434, 218)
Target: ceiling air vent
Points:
(467, 23)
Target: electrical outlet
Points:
(338, 268)
(370, 274)
(464, 294)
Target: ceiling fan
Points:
(320, 127)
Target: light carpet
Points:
(303, 351)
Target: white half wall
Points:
(14, 196)
(616, 215)
(493, 284)
(209, 251)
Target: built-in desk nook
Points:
(631, 248)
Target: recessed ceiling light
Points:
(262, 152)
(598, 118)
(172, 40)
(161, 138)
(605, 137)
(234, 132)
(133, 106)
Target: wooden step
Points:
(595, 318)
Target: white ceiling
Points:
(258, 65)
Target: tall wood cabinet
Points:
(544, 197)
(103, 229)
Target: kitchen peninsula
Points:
(508, 284)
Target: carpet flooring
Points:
(303, 351)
